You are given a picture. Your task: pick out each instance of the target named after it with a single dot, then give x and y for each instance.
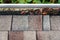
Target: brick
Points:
(29, 35)
(16, 35)
(46, 23)
(55, 22)
(35, 22)
(20, 23)
(3, 35)
(5, 22)
(42, 35)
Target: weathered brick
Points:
(29, 35)
(3, 35)
(20, 23)
(55, 22)
(46, 23)
(5, 22)
(16, 35)
(35, 22)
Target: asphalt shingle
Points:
(3, 35)
(29, 35)
(27, 22)
(35, 22)
(42, 35)
(22, 35)
(29, 27)
(55, 22)
(5, 22)
(20, 23)
(15, 35)
(55, 35)
(46, 23)
(48, 35)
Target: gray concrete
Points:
(55, 22)
(5, 22)
(20, 22)
(46, 23)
